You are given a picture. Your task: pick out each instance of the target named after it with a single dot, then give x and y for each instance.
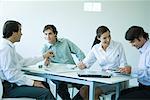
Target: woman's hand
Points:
(81, 65)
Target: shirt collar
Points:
(58, 40)
(144, 47)
(5, 41)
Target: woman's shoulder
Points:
(96, 46)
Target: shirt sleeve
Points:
(11, 70)
(90, 59)
(29, 61)
(143, 71)
(75, 50)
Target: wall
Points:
(73, 23)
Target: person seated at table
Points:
(15, 83)
(62, 50)
(109, 54)
(139, 39)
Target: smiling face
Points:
(50, 36)
(105, 39)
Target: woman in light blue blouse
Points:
(109, 54)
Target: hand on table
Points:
(126, 70)
(81, 65)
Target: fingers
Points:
(38, 84)
(81, 65)
(51, 53)
(126, 70)
(48, 54)
(46, 62)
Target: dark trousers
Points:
(141, 92)
(62, 89)
(12, 90)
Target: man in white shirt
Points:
(139, 39)
(15, 83)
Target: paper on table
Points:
(55, 67)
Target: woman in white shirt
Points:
(108, 53)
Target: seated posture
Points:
(62, 53)
(139, 39)
(108, 53)
(16, 84)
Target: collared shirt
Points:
(112, 58)
(143, 70)
(11, 63)
(63, 50)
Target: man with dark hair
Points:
(16, 84)
(62, 49)
(139, 39)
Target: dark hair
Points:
(9, 27)
(134, 32)
(100, 30)
(51, 27)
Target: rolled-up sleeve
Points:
(90, 59)
(75, 50)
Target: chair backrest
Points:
(1, 89)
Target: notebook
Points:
(99, 74)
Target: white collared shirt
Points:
(11, 63)
(113, 57)
(143, 69)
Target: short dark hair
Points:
(134, 32)
(9, 27)
(51, 27)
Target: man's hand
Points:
(81, 65)
(46, 62)
(48, 54)
(38, 84)
(126, 69)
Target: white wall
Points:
(73, 23)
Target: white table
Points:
(67, 73)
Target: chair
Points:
(104, 96)
(1, 94)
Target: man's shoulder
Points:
(5, 48)
(64, 40)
